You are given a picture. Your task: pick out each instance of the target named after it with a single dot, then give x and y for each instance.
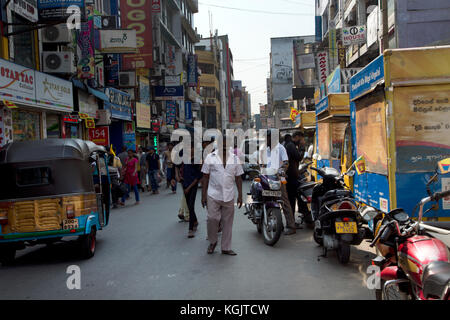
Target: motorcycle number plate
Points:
(346, 227)
(270, 193)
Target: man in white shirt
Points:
(218, 195)
(277, 158)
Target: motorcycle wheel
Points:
(393, 293)
(343, 252)
(259, 227)
(317, 239)
(272, 230)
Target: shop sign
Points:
(112, 70)
(90, 123)
(367, 78)
(192, 73)
(322, 62)
(169, 93)
(332, 40)
(86, 51)
(56, 9)
(70, 119)
(118, 41)
(143, 115)
(118, 112)
(156, 125)
(353, 35)
(53, 93)
(87, 105)
(172, 81)
(188, 111)
(17, 83)
(372, 27)
(334, 81)
(144, 90)
(26, 9)
(99, 135)
(9, 104)
(118, 97)
(129, 136)
(6, 128)
(171, 112)
(137, 15)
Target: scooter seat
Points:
(306, 186)
(436, 278)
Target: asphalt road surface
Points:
(144, 253)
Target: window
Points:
(23, 43)
(206, 68)
(33, 176)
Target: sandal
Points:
(211, 248)
(229, 252)
(195, 226)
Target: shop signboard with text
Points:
(138, 16)
(86, 51)
(56, 9)
(143, 115)
(118, 41)
(99, 135)
(26, 9)
(53, 93)
(171, 112)
(119, 104)
(169, 93)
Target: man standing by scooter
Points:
(277, 158)
(295, 148)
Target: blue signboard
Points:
(367, 78)
(322, 106)
(188, 111)
(334, 85)
(118, 111)
(56, 9)
(318, 28)
(169, 93)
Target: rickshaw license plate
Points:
(346, 227)
(70, 224)
(269, 193)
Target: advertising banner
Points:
(319, 28)
(192, 77)
(112, 70)
(334, 81)
(169, 93)
(171, 112)
(53, 93)
(156, 6)
(353, 35)
(17, 83)
(332, 40)
(25, 8)
(118, 41)
(56, 9)
(188, 111)
(322, 62)
(129, 136)
(86, 51)
(87, 104)
(99, 135)
(142, 115)
(144, 90)
(137, 15)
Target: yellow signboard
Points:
(143, 117)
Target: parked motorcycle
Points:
(338, 223)
(264, 205)
(304, 195)
(413, 264)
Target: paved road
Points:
(145, 254)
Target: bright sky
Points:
(250, 34)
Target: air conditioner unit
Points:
(127, 79)
(58, 62)
(56, 34)
(109, 22)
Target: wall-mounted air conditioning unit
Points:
(56, 34)
(58, 62)
(127, 79)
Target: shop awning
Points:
(98, 94)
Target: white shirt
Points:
(276, 157)
(222, 180)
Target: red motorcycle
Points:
(413, 264)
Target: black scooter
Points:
(338, 223)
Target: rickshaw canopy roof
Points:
(49, 149)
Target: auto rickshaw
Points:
(49, 190)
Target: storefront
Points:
(87, 107)
(35, 102)
(143, 124)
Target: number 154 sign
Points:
(100, 136)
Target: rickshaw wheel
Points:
(88, 244)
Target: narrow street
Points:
(144, 254)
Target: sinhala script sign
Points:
(118, 41)
(353, 35)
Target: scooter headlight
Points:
(275, 185)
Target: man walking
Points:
(295, 148)
(218, 182)
(277, 158)
(153, 166)
(123, 156)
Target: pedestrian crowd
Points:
(218, 176)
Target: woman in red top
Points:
(131, 178)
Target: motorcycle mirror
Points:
(317, 157)
(350, 173)
(310, 149)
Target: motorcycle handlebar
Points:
(439, 195)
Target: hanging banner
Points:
(138, 16)
(85, 48)
(171, 112)
(192, 76)
(188, 111)
(332, 40)
(322, 62)
(142, 115)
